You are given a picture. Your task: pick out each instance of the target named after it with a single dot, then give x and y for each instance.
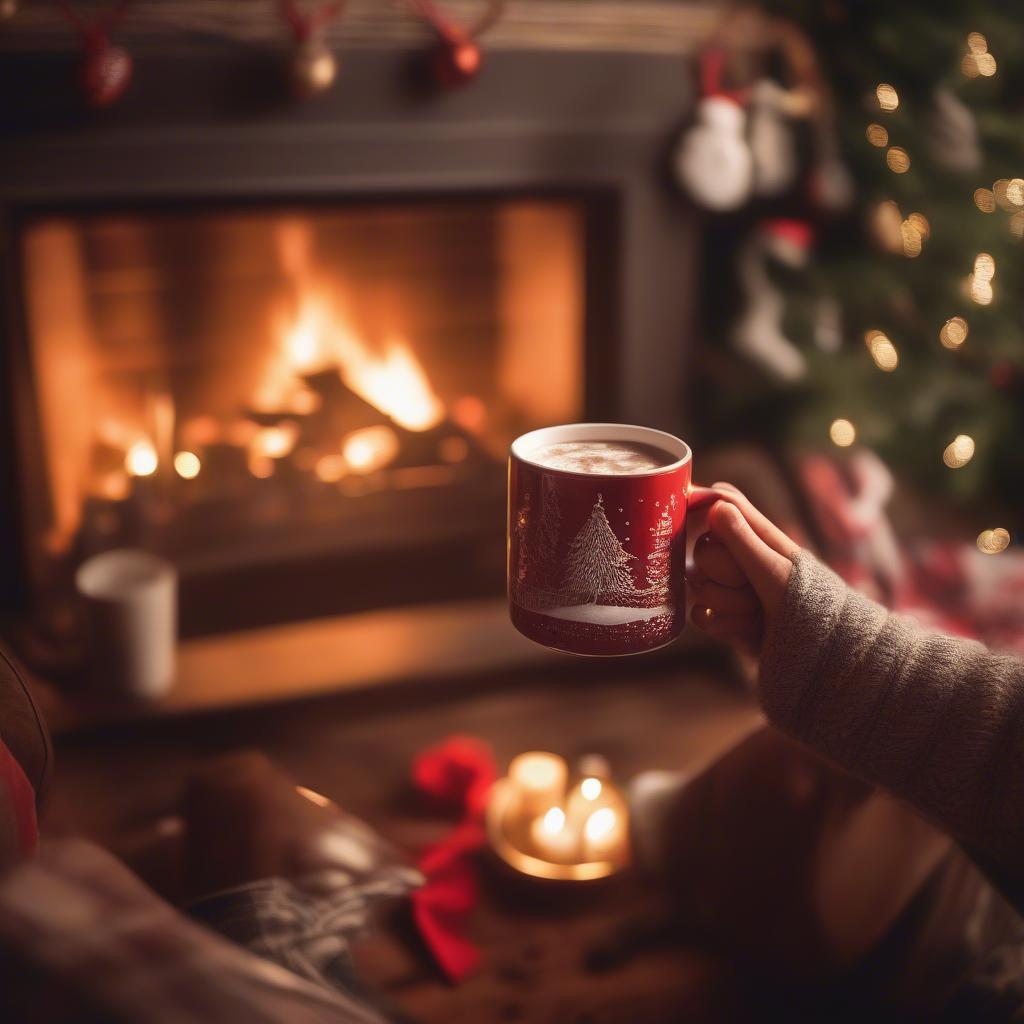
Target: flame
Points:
(393, 382)
(141, 460)
(275, 442)
(319, 336)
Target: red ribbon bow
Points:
(457, 773)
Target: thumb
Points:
(767, 570)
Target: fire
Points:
(393, 382)
(319, 336)
(369, 449)
(141, 459)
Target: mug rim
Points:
(565, 432)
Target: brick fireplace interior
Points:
(286, 388)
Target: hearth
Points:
(287, 347)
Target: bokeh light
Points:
(991, 542)
(910, 239)
(977, 43)
(986, 65)
(882, 350)
(877, 135)
(842, 432)
(981, 290)
(954, 332)
(1015, 191)
(984, 267)
(959, 451)
(187, 465)
(984, 200)
(920, 221)
(888, 99)
(898, 160)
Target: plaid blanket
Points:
(82, 939)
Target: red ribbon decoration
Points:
(458, 58)
(305, 26)
(106, 69)
(712, 65)
(458, 773)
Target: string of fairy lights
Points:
(907, 235)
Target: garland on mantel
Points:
(642, 26)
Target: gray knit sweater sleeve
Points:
(935, 719)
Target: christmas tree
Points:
(909, 315)
(597, 567)
(659, 563)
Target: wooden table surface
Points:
(357, 749)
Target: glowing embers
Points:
(187, 465)
(274, 442)
(959, 451)
(141, 459)
(369, 449)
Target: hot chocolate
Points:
(603, 458)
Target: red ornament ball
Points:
(106, 73)
(457, 62)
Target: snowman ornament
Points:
(713, 160)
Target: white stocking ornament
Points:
(713, 161)
(771, 139)
(758, 329)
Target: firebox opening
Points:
(256, 391)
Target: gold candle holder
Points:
(530, 841)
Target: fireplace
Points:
(258, 391)
(288, 346)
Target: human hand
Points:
(742, 565)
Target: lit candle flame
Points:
(553, 821)
(600, 824)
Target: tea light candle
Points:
(539, 782)
(603, 834)
(552, 838)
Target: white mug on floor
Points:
(131, 614)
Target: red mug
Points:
(596, 562)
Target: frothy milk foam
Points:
(606, 458)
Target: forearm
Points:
(936, 720)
